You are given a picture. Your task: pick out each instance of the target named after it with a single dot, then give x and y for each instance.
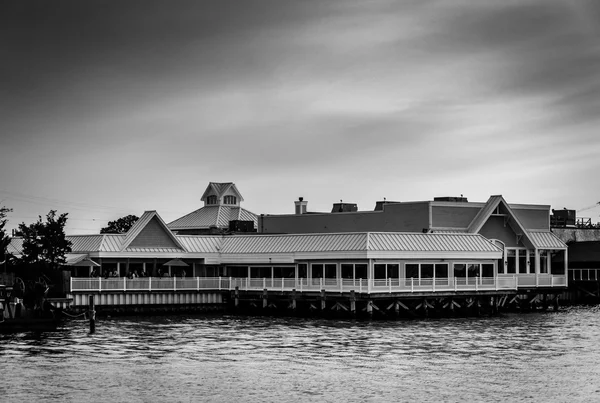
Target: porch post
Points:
(537, 261)
(566, 267)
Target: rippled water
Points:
(537, 357)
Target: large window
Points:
(354, 271)
(284, 272)
(260, 272)
(237, 271)
(386, 270)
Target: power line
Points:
(69, 204)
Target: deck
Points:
(396, 285)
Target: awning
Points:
(176, 262)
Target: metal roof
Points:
(287, 243)
(208, 216)
(546, 240)
(15, 247)
(201, 243)
(112, 242)
(419, 242)
(85, 243)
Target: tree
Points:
(44, 243)
(120, 226)
(4, 238)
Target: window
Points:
(441, 270)
(511, 261)
(260, 272)
(347, 270)
(330, 271)
(237, 271)
(229, 200)
(473, 270)
(522, 261)
(284, 272)
(360, 271)
(383, 271)
(317, 271)
(211, 199)
(543, 261)
(379, 271)
(487, 270)
(302, 270)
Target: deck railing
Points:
(584, 274)
(538, 280)
(407, 285)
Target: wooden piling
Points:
(92, 313)
(370, 308)
(323, 303)
(265, 299)
(293, 304)
(352, 302)
(236, 296)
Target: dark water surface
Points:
(539, 357)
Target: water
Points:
(537, 357)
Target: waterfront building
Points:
(466, 250)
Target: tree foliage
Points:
(45, 243)
(120, 226)
(4, 238)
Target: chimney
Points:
(300, 206)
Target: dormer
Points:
(221, 194)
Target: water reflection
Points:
(536, 357)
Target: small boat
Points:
(15, 317)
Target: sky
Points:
(109, 108)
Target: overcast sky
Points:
(110, 108)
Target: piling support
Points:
(352, 303)
(323, 303)
(92, 313)
(265, 298)
(293, 304)
(556, 302)
(237, 296)
(370, 308)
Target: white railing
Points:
(585, 274)
(407, 285)
(536, 280)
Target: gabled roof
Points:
(141, 224)
(513, 221)
(220, 189)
